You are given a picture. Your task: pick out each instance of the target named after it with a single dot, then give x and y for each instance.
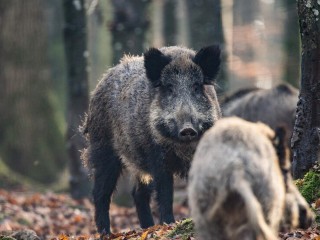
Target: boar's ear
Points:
(154, 62)
(208, 58)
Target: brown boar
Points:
(238, 185)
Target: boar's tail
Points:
(253, 208)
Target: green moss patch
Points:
(309, 186)
(184, 229)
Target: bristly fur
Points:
(274, 107)
(147, 115)
(263, 105)
(243, 195)
(208, 58)
(154, 62)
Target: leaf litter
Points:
(26, 215)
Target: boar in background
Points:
(274, 107)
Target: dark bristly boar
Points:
(147, 115)
(238, 187)
(274, 107)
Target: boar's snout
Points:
(188, 133)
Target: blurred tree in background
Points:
(31, 137)
(99, 15)
(291, 44)
(206, 28)
(75, 39)
(129, 27)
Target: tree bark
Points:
(305, 138)
(205, 23)
(291, 44)
(183, 26)
(129, 27)
(170, 26)
(75, 39)
(31, 142)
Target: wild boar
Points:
(274, 107)
(237, 188)
(147, 114)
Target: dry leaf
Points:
(144, 235)
(317, 203)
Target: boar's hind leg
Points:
(107, 171)
(164, 189)
(141, 194)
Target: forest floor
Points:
(59, 217)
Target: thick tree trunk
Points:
(305, 138)
(76, 54)
(31, 142)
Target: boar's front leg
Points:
(141, 194)
(163, 180)
(107, 171)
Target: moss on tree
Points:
(309, 186)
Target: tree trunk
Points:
(205, 24)
(245, 12)
(305, 138)
(170, 27)
(76, 55)
(129, 27)
(157, 23)
(99, 39)
(183, 26)
(31, 141)
(291, 44)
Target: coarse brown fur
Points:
(297, 213)
(237, 189)
(147, 115)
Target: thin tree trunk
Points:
(305, 138)
(245, 12)
(129, 27)
(291, 45)
(158, 23)
(183, 26)
(76, 54)
(206, 28)
(170, 26)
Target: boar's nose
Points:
(188, 133)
